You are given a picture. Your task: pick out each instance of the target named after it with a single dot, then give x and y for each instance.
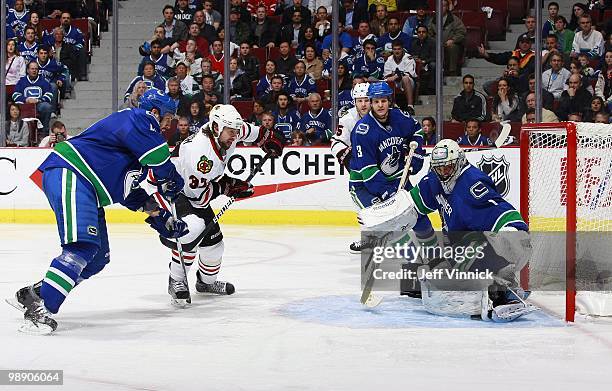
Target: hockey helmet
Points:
(360, 91)
(225, 116)
(447, 161)
(379, 89)
(154, 98)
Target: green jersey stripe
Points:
(155, 156)
(418, 201)
(508, 217)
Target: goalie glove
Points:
(234, 187)
(167, 225)
(271, 143)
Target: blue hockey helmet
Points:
(379, 90)
(154, 98)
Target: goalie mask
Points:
(447, 161)
(224, 116)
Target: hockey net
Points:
(566, 198)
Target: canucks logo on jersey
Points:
(390, 164)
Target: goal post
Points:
(566, 199)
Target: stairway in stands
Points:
(137, 19)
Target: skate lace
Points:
(178, 285)
(216, 287)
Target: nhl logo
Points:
(497, 168)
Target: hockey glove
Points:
(234, 187)
(167, 225)
(171, 187)
(344, 157)
(271, 143)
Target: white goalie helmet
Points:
(360, 91)
(447, 161)
(225, 116)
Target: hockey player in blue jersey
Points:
(378, 149)
(81, 176)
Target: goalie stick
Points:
(367, 297)
(179, 249)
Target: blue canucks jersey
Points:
(344, 40)
(345, 98)
(287, 123)
(162, 65)
(301, 89)
(75, 37)
(29, 53)
(378, 155)
(51, 70)
(263, 87)
(385, 41)
(358, 43)
(111, 152)
(321, 123)
(17, 21)
(366, 68)
(38, 88)
(480, 141)
(155, 82)
(473, 205)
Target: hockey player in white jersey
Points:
(200, 160)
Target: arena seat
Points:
(476, 34)
(497, 25)
(244, 107)
(518, 10)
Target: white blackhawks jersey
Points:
(346, 123)
(200, 161)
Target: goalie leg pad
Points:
(395, 214)
(210, 262)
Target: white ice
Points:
(293, 324)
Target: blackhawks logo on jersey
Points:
(205, 165)
(497, 168)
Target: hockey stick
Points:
(499, 142)
(179, 249)
(367, 297)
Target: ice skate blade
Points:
(373, 301)
(14, 303)
(31, 329)
(179, 303)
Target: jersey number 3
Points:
(359, 151)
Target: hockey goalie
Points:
(474, 214)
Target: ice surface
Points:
(294, 324)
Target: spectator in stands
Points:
(352, 13)
(18, 17)
(248, 63)
(378, 24)
(150, 77)
(35, 23)
(316, 5)
(547, 115)
(212, 17)
(65, 54)
(400, 70)
(189, 87)
(588, 73)
(554, 79)
(276, 87)
(530, 25)
(453, 36)
(245, 15)
(201, 44)
(473, 135)
(345, 85)
(133, 99)
(208, 93)
(29, 47)
(518, 80)
(52, 72)
(310, 38)
(258, 110)
(316, 122)
(292, 32)
(159, 33)
(608, 45)
(549, 24)
(602, 118)
(322, 24)
(370, 65)
(216, 57)
(289, 13)
(550, 48)
(300, 84)
(163, 63)
(314, 66)
(547, 98)
(603, 87)
(32, 88)
(207, 31)
(263, 86)
(506, 104)
(267, 121)
(75, 37)
(576, 99)
(420, 19)
(597, 106)
(15, 67)
(182, 12)
(239, 31)
(286, 60)
(469, 103)
(525, 55)
(530, 116)
(298, 139)
(197, 116)
(364, 34)
(182, 131)
(587, 40)
(393, 34)
(17, 130)
(270, 6)
(424, 52)
(174, 29)
(263, 30)
(192, 58)
(57, 135)
(345, 41)
(239, 82)
(286, 118)
(429, 131)
(578, 10)
(565, 36)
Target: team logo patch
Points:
(205, 165)
(478, 190)
(390, 165)
(93, 231)
(498, 169)
(362, 128)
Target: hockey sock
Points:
(210, 262)
(176, 270)
(64, 272)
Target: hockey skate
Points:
(179, 294)
(358, 246)
(37, 320)
(217, 287)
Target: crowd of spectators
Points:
(46, 53)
